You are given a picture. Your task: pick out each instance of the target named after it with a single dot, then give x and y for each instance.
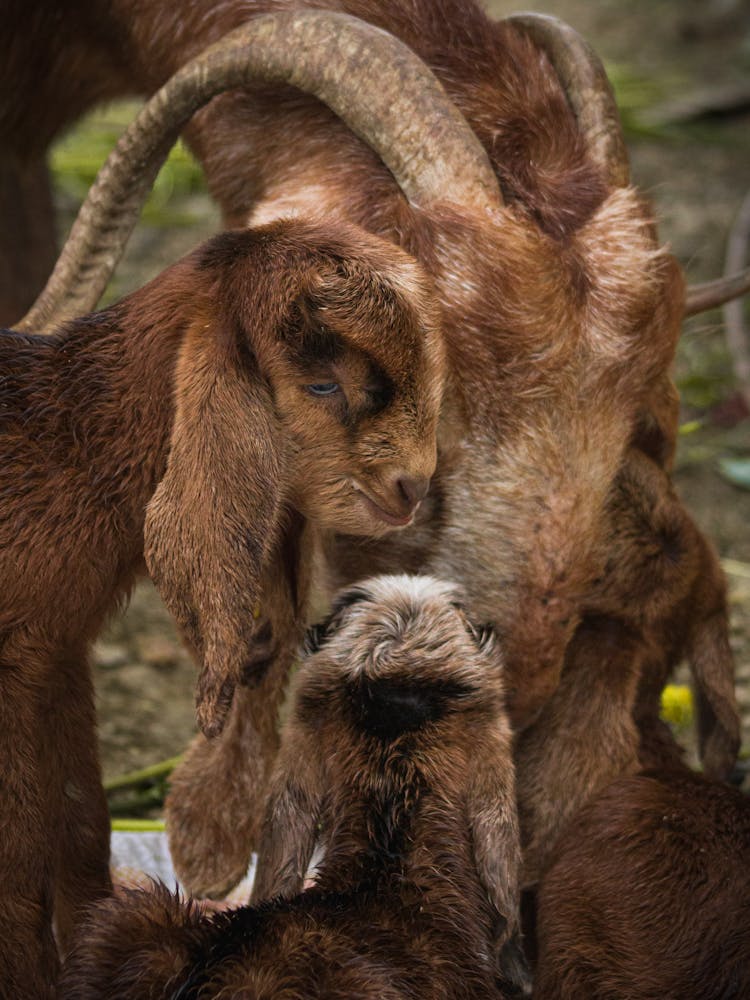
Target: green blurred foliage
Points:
(77, 157)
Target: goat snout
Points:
(412, 488)
(395, 498)
(402, 492)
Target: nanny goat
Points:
(649, 894)
(275, 381)
(397, 760)
(560, 309)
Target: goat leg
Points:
(79, 818)
(216, 797)
(28, 959)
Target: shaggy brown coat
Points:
(661, 598)
(397, 761)
(186, 425)
(649, 895)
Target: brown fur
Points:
(561, 316)
(397, 760)
(177, 426)
(661, 598)
(54, 65)
(649, 895)
(545, 396)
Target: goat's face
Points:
(356, 380)
(555, 348)
(400, 695)
(308, 375)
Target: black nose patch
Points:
(387, 708)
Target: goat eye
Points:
(323, 388)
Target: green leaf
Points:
(138, 825)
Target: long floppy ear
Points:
(294, 806)
(214, 517)
(717, 715)
(493, 822)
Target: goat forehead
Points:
(408, 366)
(413, 590)
(415, 615)
(524, 292)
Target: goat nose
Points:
(413, 488)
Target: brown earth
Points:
(696, 174)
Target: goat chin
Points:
(176, 427)
(397, 734)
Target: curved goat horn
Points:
(710, 294)
(370, 79)
(587, 88)
(589, 93)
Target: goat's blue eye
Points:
(323, 388)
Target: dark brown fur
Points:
(649, 895)
(397, 760)
(661, 597)
(177, 426)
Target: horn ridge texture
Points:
(587, 88)
(407, 119)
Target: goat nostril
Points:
(413, 488)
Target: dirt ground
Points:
(697, 175)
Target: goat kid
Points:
(274, 381)
(649, 894)
(397, 758)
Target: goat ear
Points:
(214, 517)
(712, 667)
(318, 635)
(293, 809)
(493, 822)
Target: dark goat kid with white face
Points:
(397, 759)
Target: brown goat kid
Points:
(649, 895)
(397, 759)
(273, 382)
